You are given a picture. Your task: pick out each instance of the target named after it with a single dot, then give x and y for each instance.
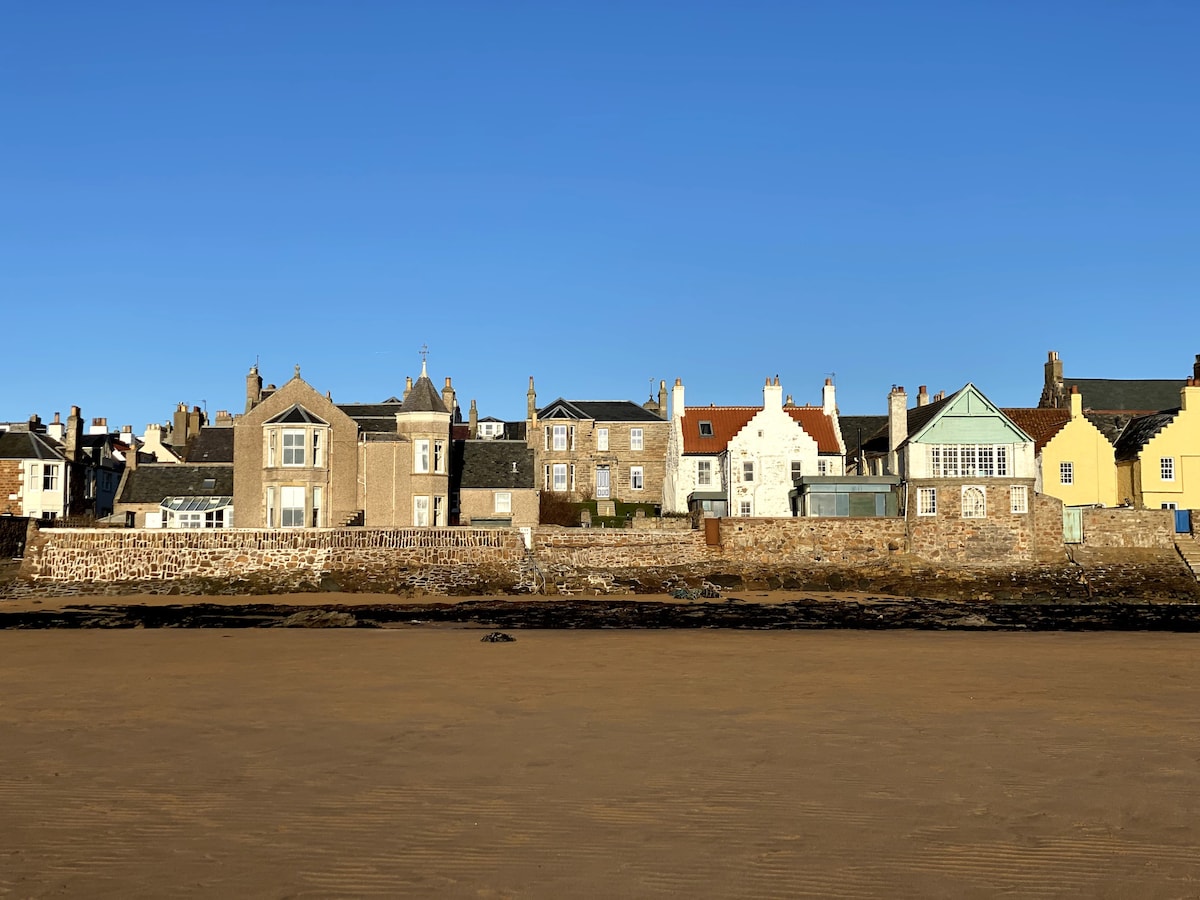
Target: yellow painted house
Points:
(1158, 456)
(1076, 462)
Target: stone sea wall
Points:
(1129, 553)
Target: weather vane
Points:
(424, 353)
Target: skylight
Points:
(706, 429)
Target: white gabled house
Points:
(744, 460)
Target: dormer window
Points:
(706, 429)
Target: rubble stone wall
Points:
(1126, 527)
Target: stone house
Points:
(195, 492)
(968, 474)
(744, 460)
(494, 483)
(603, 449)
(300, 460)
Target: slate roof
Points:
(598, 410)
(375, 417)
(151, 483)
(489, 464)
(857, 430)
(1110, 424)
(29, 445)
(727, 421)
(918, 418)
(1040, 424)
(423, 398)
(211, 445)
(1128, 395)
(1139, 431)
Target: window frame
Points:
(502, 502)
(293, 512)
(49, 476)
(421, 455)
(421, 507)
(1018, 499)
(704, 469)
(558, 438)
(927, 501)
(602, 440)
(559, 476)
(975, 510)
(637, 478)
(637, 439)
(747, 470)
(1166, 468)
(1066, 472)
(290, 448)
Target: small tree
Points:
(557, 509)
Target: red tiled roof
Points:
(818, 425)
(1039, 424)
(727, 421)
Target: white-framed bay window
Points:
(421, 455)
(317, 498)
(558, 437)
(439, 456)
(294, 440)
(560, 477)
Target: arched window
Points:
(974, 502)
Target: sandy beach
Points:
(424, 763)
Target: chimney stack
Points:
(448, 396)
(55, 429)
(407, 387)
(677, 406)
(922, 396)
(662, 398)
(73, 440)
(531, 403)
(897, 426)
(772, 394)
(253, 388)
(828, 399)
(473, 422)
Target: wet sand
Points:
(424, 763)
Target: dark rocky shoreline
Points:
(600, 613)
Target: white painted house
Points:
(743, 460)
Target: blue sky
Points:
(595, 194)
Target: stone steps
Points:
(1189, 549)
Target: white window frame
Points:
(439, 511)
(968, 460)
(317, 495)
(49, 476)
(35, 481)
(291, 516)
(294, 443)
(559, 473)
(270, 507)
(704, 473)
(637, 439)
(559, 439)
(1018, 499)
(823, 467)
(1166, 468)
(272, 444)
(974, 510)
(421, 456)
(926, 501)
(1066, 472)
(602, 440)
(637, 478)
(747, 470)
(746, 508)
(439, 456)
(317, 448)
(421, 511)
(502, 502)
